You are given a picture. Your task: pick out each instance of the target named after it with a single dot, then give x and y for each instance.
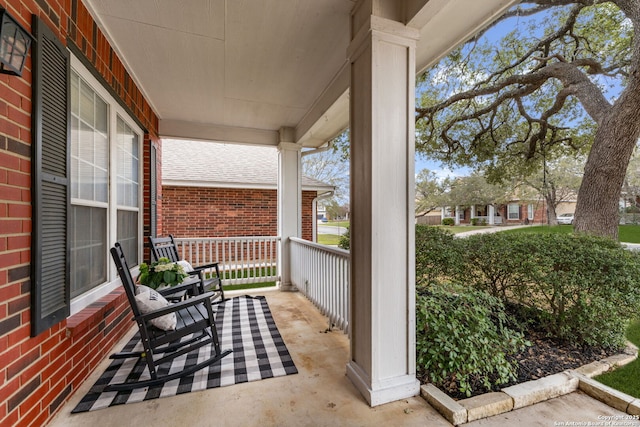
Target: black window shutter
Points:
(50, 291)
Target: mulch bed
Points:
(546, 356)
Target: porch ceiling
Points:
(239, 70)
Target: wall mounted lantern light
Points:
(14, 44)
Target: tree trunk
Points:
(552, 203)
(597, 211)
(552, 216)
(598, 208)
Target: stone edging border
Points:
(531, 392)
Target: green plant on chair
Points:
(161, 272)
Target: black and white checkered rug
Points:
(244, 324)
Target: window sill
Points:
(95, 314)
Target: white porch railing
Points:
(242, 260)
(321, 273)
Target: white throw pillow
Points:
(149, 300)
(185, 265)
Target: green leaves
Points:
(461, 334)
(162, 272)
(580, 288)
(437, 256)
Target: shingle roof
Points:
(209, 164)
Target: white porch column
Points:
(289, 202)
(382, 55)
(492, 214)
(457, 215)
(473, 211)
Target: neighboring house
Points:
(212, 189)
(510, 213)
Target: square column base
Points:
(287, 287)
(386, 391)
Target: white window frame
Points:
(114, 110)
(517, 212)
(530, 211)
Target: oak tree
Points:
(566, 78)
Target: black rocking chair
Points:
(166, 247)
(195, 328)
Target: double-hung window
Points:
(513, 211)
(128, 156)
(105, 186)
(89, 186)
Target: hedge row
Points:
(580, 288)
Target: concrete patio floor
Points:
(319, 395)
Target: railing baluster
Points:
(321, 273)
(254, 257)
(257, 259)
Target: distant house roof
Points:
(214, 164)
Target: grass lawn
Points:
(629, 233)
(555, 229)
(337, 223)
(626, 233)
(625, 378)
(245, 273)
(248, 286)
(328, 239)
(455, 229)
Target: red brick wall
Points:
(539, 214)
(37, 375)
(226, 212)
(308, 214)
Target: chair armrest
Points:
(206, 266)
(172, 308)
(191, 285)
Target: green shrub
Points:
(345, 240)
(448, 221)
(496, 263)
(437, 254)
(475, 221)
(583, 288)
(461, 334)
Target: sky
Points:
(440, 170)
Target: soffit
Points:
(239, 70)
